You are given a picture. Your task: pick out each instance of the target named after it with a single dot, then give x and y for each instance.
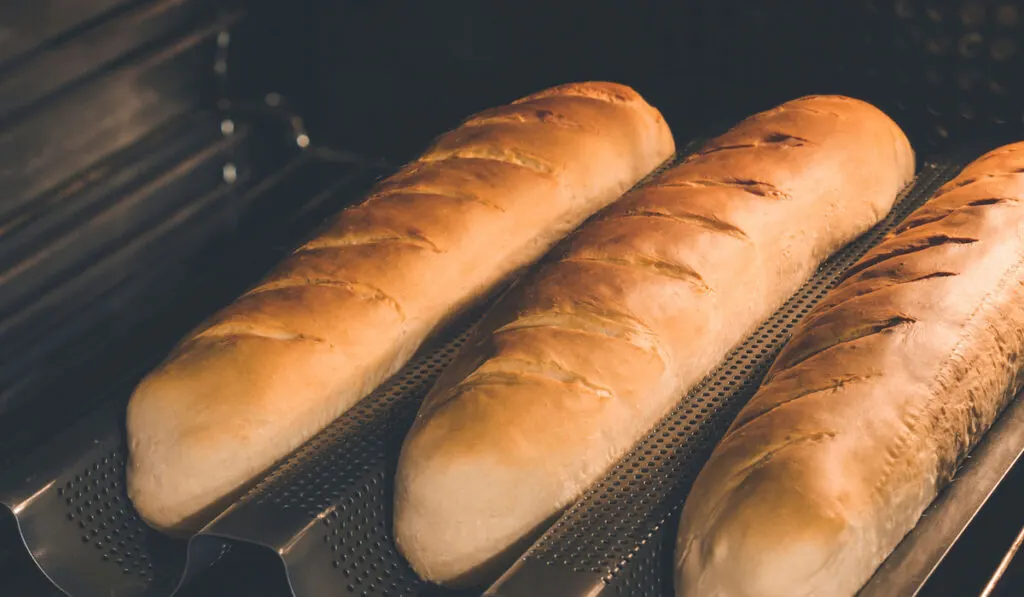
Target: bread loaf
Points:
(348, 308)
(567, 372)
(872, 405)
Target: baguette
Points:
(566, 373)
(350, 307)
(874, 402)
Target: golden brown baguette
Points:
(348, 308)
(872, 405)
(567, 372)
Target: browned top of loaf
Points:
(492, 164)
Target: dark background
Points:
(386, 75)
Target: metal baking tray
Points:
(323, 513)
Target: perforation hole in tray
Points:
(356, 535)
(95, 503)
(644, 577)
(602, 532)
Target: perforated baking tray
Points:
(324, 513)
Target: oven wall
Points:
(386, 76)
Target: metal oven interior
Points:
(159, 155)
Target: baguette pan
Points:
(349, 308)
(872, 405)
(566, 373)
